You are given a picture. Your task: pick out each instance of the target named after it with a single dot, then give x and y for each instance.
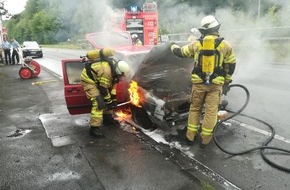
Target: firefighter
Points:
(214, 64)
(194, 35)
(99, 79)
(136, 40)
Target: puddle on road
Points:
(19, 133)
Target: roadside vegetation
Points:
(54, 21)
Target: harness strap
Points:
(111, 61)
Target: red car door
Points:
(75, 97)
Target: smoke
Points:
(81, 17)
(256, 34)
(248, 31)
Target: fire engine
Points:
(141, 21)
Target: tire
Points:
(141, 118)
(25, 73)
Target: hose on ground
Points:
(264, 145)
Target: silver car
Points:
(31, 49)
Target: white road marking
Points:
(278, 137)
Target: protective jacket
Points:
(224, 65)
(137, 42)
(99, 85)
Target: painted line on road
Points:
(267, 68)
(278, 137)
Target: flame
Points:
(134, 95)
(121, 114)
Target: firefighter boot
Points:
(108, 120)
(205, 140)
(190, 135)
(96, 132)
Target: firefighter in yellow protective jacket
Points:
(136, 40)
(99, 79)
(214, 64)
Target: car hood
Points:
(121, 41)
(165, 85)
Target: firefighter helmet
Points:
(209, 24)
(122, 68)
(134, 36)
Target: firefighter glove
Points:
(101, 103)
(173, 46)
(226, 88)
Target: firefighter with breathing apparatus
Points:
(214, 64)
(99, 79)
(136, 40)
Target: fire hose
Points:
(264, 145)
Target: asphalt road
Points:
(197, 165)
(43, 147)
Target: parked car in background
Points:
(31, 49)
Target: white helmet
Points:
(134, 36)
(209, 24)
(122, 68)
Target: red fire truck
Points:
(141, 21)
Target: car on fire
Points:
(121, 41)
(31, 49)
(162, 80)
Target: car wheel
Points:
(141, 118)
(25, 73)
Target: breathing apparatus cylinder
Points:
(95, 54)
(208, 57)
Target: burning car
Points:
(160, 86)
(76, 100)
(163, 89)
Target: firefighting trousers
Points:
(96, 118)
(205, 97)
(92, 92)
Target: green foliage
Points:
(51, 21)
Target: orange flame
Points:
(121, 114)
(134, 96)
